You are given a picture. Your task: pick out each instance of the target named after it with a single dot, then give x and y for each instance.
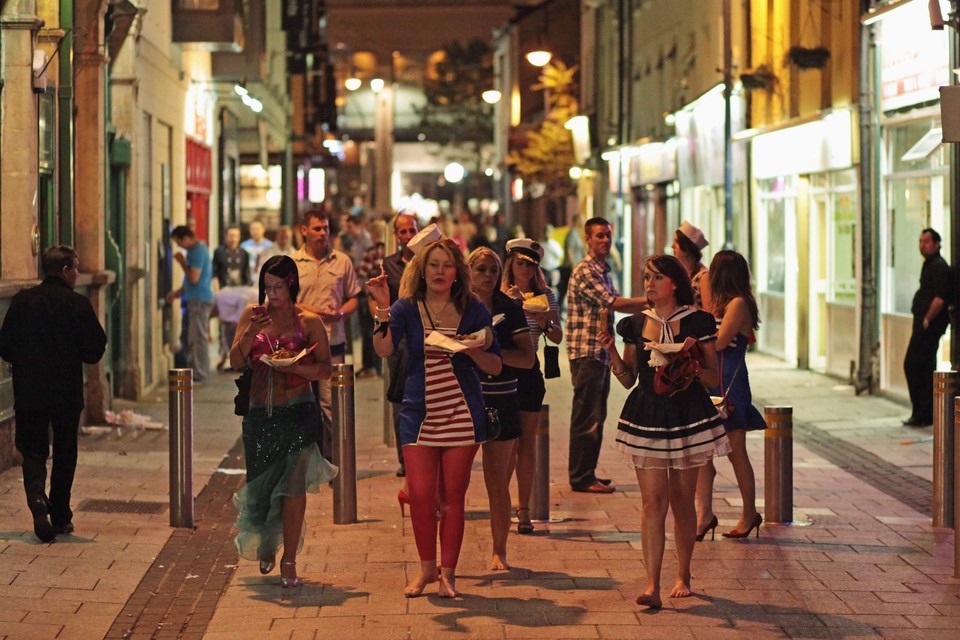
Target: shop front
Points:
(805, 243)
(914, 171)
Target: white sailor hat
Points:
(693, 234)
(526, 249)
(430, 233)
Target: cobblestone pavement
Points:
(865, 563)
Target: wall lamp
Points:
(255, 105)
(539, 57)
(352, 83)
(377, 85)
(491, 96)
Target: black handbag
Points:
(241, 402)
(551, 359)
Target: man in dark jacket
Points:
(48, 333)
(930, 321)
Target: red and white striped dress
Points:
(448, 422)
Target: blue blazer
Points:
(405, 323)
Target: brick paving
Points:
(868, 565)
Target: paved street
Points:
(866, 564)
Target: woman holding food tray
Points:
(523, 281)
(500, 394)
(442, 417)
(286, 347)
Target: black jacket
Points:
(48, 333)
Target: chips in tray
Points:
(537, 303)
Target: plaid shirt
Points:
(590, 290)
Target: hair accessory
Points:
(430, 233)
(693, 234)
(526, 249)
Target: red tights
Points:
(438, 473)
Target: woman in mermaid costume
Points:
(280, 429)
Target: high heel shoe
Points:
(266, 566)
(711, 527)
(524, 527)
(757, 521)
(404, 500)
(290, 583)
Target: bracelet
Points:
(379, 308)
(617, 371)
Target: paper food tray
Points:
(437, 339)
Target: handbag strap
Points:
(732, 378)
(427, 311)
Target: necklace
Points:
(434, 311)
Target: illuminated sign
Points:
(914, 59)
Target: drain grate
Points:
(122, 506)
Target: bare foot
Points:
(448, 584)
(681, 589)
(416, 587)
(651, 600)
(499, 562)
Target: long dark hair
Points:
(729, 279)
(671, 267)
(282, 267)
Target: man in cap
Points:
(591, 292)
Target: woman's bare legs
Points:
(655, 492)
(291, 515)
(705, 479)
(746, 480)
(526, 461)
(497, 458)
(683, 486)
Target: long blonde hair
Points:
(413, 286)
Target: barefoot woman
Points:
(442, 417)
(666, 437)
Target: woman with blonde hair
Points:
(500, 394)
(442, 417)
(523, 278)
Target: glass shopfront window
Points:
(917, 197)
(773, 255)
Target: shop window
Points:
(774, 196)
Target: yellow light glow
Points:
(352, 84)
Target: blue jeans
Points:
(591, 387)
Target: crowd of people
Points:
(462, 326)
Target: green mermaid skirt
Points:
(282, 460)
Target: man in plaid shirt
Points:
(591, 290)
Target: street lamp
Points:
(377, 85)
(539, 57)
(352, 83)
(491, 96)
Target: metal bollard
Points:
(956, 501)
(778, 465)
(344, 444)
(945, 386)
(540, 495)
(180, 387)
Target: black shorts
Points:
(531, 389)
(509, 412)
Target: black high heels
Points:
(711, 527)
(757, 521)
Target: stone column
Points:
(18, 142)
(89, 139)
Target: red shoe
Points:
(404, 500)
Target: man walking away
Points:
(930, 320)
(48, 333)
